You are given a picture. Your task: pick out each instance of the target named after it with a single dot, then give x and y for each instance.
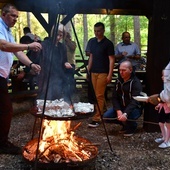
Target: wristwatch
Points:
(125, 114)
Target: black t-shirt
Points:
(101, 52)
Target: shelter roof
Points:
(119, 7)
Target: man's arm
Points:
(13, 47)
(118, 54)
(137, 54)
(71, 44)
(25, 60)
(17, 50)
(90, 63)
(111, 66)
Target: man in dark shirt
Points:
(124, 105)
(100, 65)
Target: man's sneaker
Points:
(128, 133)
(123, 130)
(9, 148)
(164, 145)
(93, 124)
(159, 140)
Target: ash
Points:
(137, 152)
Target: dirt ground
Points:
(138, 152)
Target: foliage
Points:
(35, 26)
(122, 23)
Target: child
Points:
(164, 110)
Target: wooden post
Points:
(157, 56)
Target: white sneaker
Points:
(164, 145)
(159, 140)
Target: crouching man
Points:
(124, 106)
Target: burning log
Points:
(59, 145)
(59, 153)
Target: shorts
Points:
(163, 117)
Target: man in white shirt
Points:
(8, 48)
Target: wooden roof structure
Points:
(157, 12)
(71, 7)
(132, 7)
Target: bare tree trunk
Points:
(85, 30)
(137, 30)
(112, 26)
(28, 20)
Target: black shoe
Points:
(9, 148)
(129, 133)
(123, 130)
(93, 124)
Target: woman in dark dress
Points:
(53, 60)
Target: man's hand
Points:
(109, 79)
(36, 68)
(21, 75)
(68, 65)
(35, 46)
(121, 116)
(124, 53)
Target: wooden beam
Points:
(123, 7)
(3, 2)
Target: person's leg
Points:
(167, 125)
(110, 116)
(90, 92)
(131, 124)
(167, 135)
(136, 113)
(161, 120)
(99, 86)
(5, 111)
(163, 129)
(109, 113)
(166, 132)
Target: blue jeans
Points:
(134, 115)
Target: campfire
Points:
(59, 144)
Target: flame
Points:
(58, 134)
